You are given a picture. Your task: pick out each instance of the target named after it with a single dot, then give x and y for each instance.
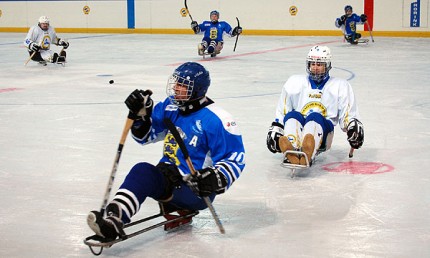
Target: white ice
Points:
(60, 128)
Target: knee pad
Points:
(295, 115)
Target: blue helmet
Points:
(193, 77)
(348, 8)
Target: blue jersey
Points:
(210, 134)
(349, 27)
(215, 31)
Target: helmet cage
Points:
(176, 96)
(318, 76)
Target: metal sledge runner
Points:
(293, 167)
(173, 222)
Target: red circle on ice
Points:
(358, 167)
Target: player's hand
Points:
(209, 180)
(342, 20)
(34, 47)
(195, 27)
(355, 132)
(236, 31)
(276, 130)
(140, 104)
(63, 43)
(363, 18)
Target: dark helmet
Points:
(214, 12)
(348, 8)
(192, 75)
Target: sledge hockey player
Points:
(212, 42)
(308, 109)
(348, 23)
(38, 42)
(211, 136)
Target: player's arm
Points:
(228, 157)
(340, 21)
(195, 27)
(30, 39)
(349, 117)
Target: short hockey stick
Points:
(370, 31)
(31, 56)
(127, 126)
(351, 152)
(237, 37)
(188, 11)
(184, 150)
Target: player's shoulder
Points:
(297, 80)
(298, 77)
(222, 117)
(338, 81)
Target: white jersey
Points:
(335, 101)
(41, 37)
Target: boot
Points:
(201, 49)
(109, 228)
(286, 145)
(308, 147)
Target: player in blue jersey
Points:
(211, 136)
(213, 30)
(348, 23)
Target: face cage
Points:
(321, 76)
(176, 97)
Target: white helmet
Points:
(43, 19)
(319, 54)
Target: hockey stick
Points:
(370, 31)
(184, 150)
(127, 126)
(351, 152)
(235, 44)
(31, 56)
(188, 11)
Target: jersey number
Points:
(213, 33)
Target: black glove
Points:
(342, 20)
(195, 27)
(140, 104)
(275, 132)
(363, 17)
(236, 31)
(172, 176)
(34, 47)
(355, 132)
(63, 43)
(209, 180)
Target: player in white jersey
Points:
(38, 42)
(211, 136)
(308, 109)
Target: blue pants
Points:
(326, 125)
(145, 180)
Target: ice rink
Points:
(60, 129)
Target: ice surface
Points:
(60, 128)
